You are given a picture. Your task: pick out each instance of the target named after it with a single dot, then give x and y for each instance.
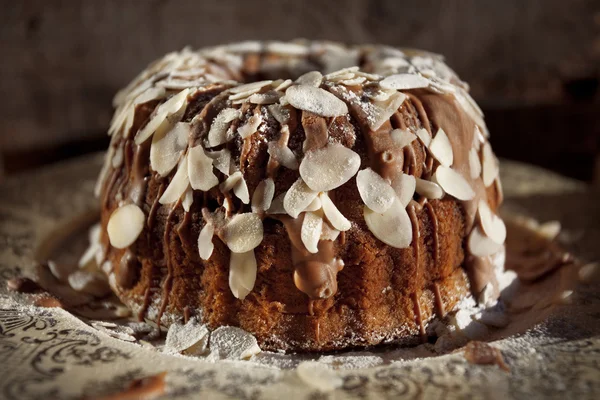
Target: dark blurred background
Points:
(533, 65)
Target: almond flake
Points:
(277, 205)
(188, 199)
(480, 245)
(167, 147)
(317, 375)
(333, 215)
(168, 113)
(315, 100)
(402, 137)
(441, 148)
(342, 71)
(314, 205)
(287, 48)
(191, 338)
(404, 82)
(392, 227)
(231, 182)
(269, 97)
(490, 168)
(405, 185)
(240, 189)
(205, 244)
(312, 78)
(263, 195)
(218, 130)
(357, 80)
(428, 189)
(250, 86)
(329, 233)
(250, 126)
(178, 184)
(93, 283)
(491, 224)
(243, 232)
(425, 137)
(383, 110)
(221, 160)
(474, 164)
(242, 273)
(329, 167)
(376, 192)
(280, 113)
(284, 85)
(453, 183)
(200, 170)
(283, 155)
(297, 198)
(232, 343)
(310, 233)
(125, 225)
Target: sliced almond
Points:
(490, 167)
(480, 245)
(474, 164)
(310, 233)
(263, 195)
(376, 192)
(453, 183)
(329, 233)
(424, 135)
(218, 129)
(491, 224)
(402, 137)
(230, 182)
(242, 273)
(205, 244)
(250, 126)
(356, 80)
(405, 185)
(188, 199)
(404, 82)
(283, 155)
(200, 170)
(441, 148)
(428, 189)
(221, 160)
(243, 232)
(334, 216)
(284, 85)
(178, 184)
(314, 205)
(280, 113)
(317, 375)
(240, 189)
(270, 97)
(250, 86)
(192, 335)
(298, 197)
(315, 100)
(392, 227)
(277, 205)
(381, 111)
(167, 113)
(329, 167)
(125, 225)
(312, 78)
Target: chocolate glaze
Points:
(168, 282)
(127, 272)
(434, 225)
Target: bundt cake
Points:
(317, 195)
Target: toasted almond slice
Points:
(314, 205)
(480, 245)
(376, 192)
(402, 137)
(188, 199)
(242, 273)
(428, 189)
(168, 113)
(283, 155)
(453, 183)
(405, 185)
(221, 160)
(329, 167)
(312, 78)
(263, 195)
(404, 82)
(178, 185)
(243, 232)
(230, 182)
(218, 129)
(250, 126)
(205, 243)
(491, 224)
(310, 233)
(441, 148)
(474, 164)
(192, 335)
(315, 100)
(392, 227)
(200, 170)
(298, 197)
(232, 343)
(425, 137)
(125, 225)
(334, 216)
(383, 110)
(240, 189)
(490, 168)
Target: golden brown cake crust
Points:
(382, 294)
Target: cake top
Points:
(197, 105)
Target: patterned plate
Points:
(49, 353)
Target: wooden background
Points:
(533, 65)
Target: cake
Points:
(316, 195)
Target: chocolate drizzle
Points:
(168, 282)
(434, 226)
(128, 270)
